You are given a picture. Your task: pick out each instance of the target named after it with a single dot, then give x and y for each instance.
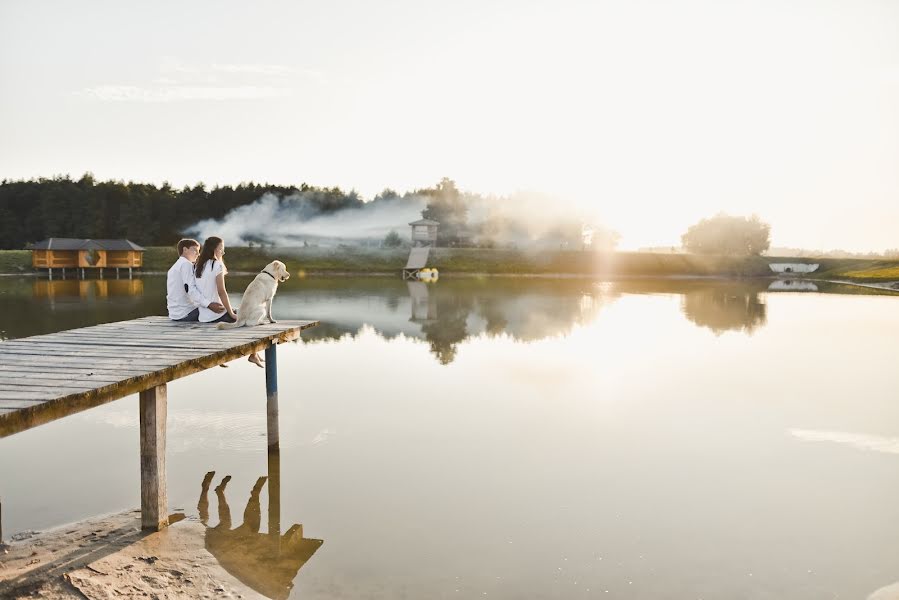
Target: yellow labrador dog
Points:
(256, 303)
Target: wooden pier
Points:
(47, 377)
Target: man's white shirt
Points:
(182, 293)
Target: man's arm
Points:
(190, 286)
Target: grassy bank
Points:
(512, 262)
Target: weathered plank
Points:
(7, 383)
(102, 350)
(17, 404)
(65, 371)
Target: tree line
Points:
(146, 214)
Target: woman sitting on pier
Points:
(210, 272)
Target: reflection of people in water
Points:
(267, 562)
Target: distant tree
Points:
(392, 240)
(724, 234)
(447, 206)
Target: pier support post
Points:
(153, 491)
(129, 272)
(271, 392)
(274, 448)
(50, 272)
(274, 497)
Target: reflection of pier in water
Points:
(424, 305)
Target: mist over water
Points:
(295, 219)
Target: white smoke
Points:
(294, 219)
(522, 220)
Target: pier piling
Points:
(153, 490)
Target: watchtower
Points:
(424, 237)
(424, 233)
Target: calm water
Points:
(516, 438)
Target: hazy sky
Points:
(650, 114)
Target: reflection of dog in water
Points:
(267, 562)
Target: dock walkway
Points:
(48, 377)
(418, 258)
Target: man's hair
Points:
(186, 243)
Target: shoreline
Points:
(888, 286)
(88, 558)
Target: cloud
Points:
(176, 93)
(178, 82)
(268, 70)
(860, 441)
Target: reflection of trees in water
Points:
(495, 319)
(722, 308)
(449, 312)
(449, 328)
(493, 311)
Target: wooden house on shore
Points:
(68, 253)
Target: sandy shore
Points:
(110, 557)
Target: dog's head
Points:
(278, 270)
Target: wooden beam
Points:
(153, 489)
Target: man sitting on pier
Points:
(183, 296)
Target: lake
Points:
(517, 437)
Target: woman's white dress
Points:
(209, 289)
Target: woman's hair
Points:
(207, 253)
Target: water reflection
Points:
(792, 285)
(442, 314)
(86, 288)
(267, 562)
(725, 307)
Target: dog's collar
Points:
(269, 274)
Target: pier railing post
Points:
(153, 491)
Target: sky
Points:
(648, 115)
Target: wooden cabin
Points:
(424, 233)
(69, 253)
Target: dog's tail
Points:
(229, 325)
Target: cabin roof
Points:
(77, 244)
(424, 222)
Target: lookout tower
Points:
(424, 233)
(424, 237)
